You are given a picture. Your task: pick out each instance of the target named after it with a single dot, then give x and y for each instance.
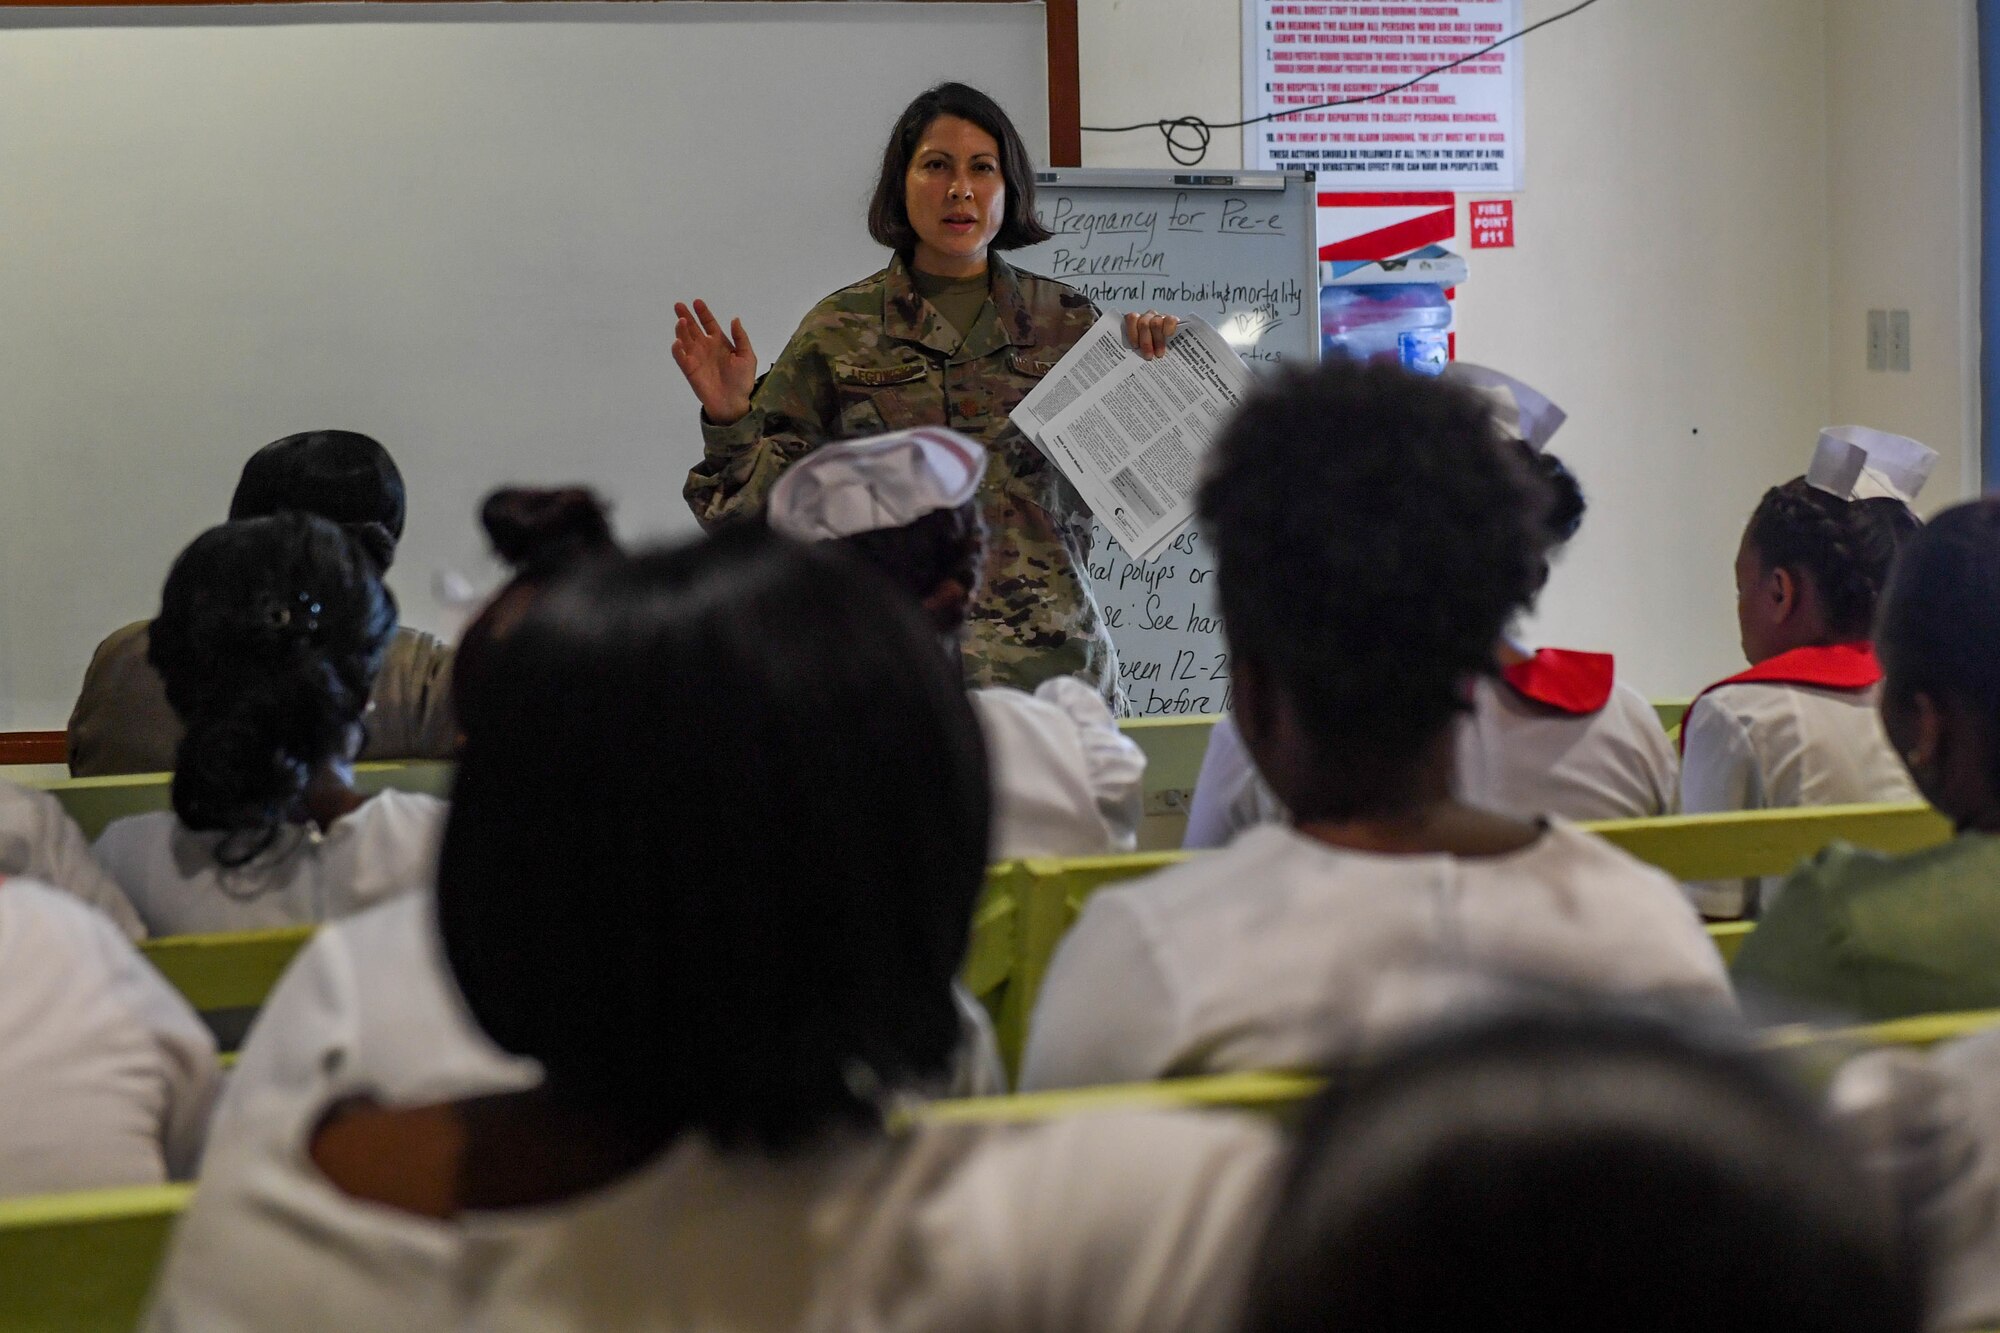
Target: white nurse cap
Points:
(885, 481)
(1521, 412)
(1857, 463)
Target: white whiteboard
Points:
(457, 228)
(1239, 250)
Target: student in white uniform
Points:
(106, 1076)
(1353, 660)
(1571, 1173)
(1550, 731)
(39, 840)
(724, 1022)
(269, 636)
(1932, 1123)
(372, 991)
(123, 723)
(1066, 781)
(1557, 733)
(1800, 726)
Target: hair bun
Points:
(539, 530)
(231, 776)
(375, 541)
(1566, 502)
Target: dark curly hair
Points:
(920, 557)
(540, 534)
(1373, 535)
(1844, 547)
(1566, 502)
(1939, 631)
(756, 985)
(888, 210)
(269, 637)
(1582, 1171)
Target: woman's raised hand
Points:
(720, 367)
(1148, 333)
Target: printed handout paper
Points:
(1130, 433)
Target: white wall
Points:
(1902, 122)
(459, 228)
(1145, 59)
(1704, 200)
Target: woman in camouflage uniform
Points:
(950, 335)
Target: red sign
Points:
(1493, 224)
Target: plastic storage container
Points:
(1408, 322)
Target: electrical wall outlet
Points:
(1878, 340)
(1899, 340)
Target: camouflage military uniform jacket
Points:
(877, 357)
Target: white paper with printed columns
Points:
(1245, 260)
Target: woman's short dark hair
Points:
(1939, 630)
(888, 211)
(269, 637)
(1843, 546)
(1580, 1171)
(1373, 534)
(714, 863)
(341, 475)
(920, 557)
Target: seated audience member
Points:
(123, 723)
(1066, 781)
(388, 956)
(1557, 733)
(1373, 537)
(39, 840)
(1933, 1122)
(1883, 936)
(1800, 727)
(1550, 732)
(270, 633)
(1576, 1173)
(106, 1075)
(724, 1023)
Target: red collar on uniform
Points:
(1578, 683)
(1837, 666)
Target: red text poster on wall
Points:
(1460, 130)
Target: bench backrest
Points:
(1028, 905)
(1047, 895)
(95, 802)
(83, 1262)
(1280, 1091)
(226, 971)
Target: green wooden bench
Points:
(1277, 1090)
(1729, 937)
(1174, 747)
(226, 971)
(1048, 894)
(1028, 905)
(95, 802)
(83, 1262)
